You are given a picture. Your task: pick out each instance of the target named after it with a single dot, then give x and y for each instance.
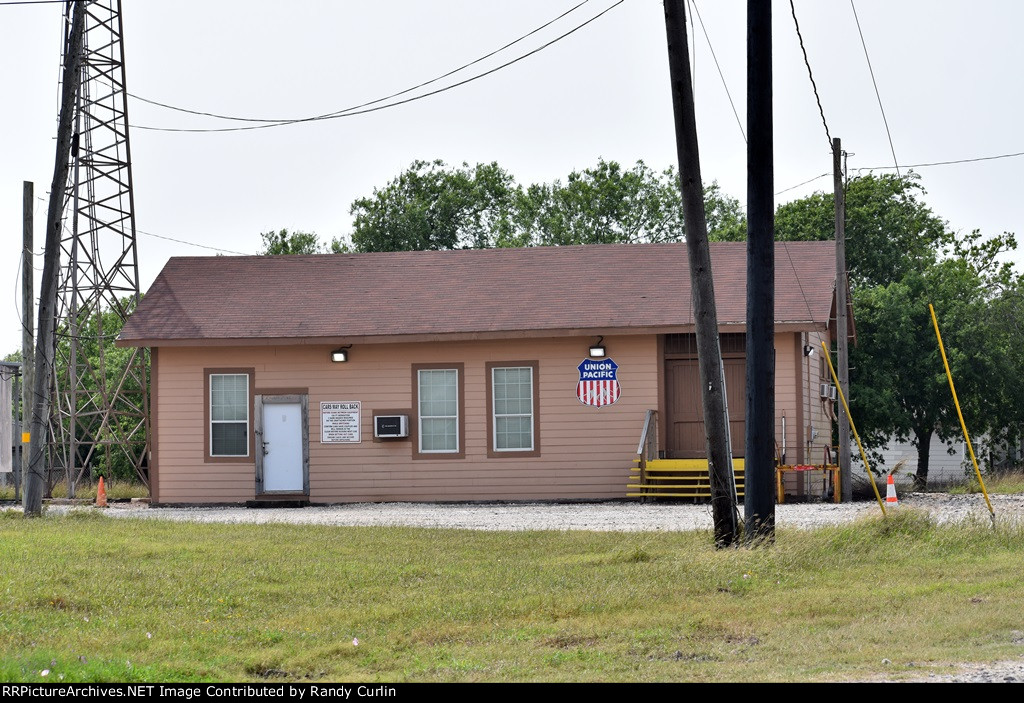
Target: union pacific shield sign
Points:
(598, 385)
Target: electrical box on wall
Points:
(390, 426)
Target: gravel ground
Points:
(615, 516)
(608, 517)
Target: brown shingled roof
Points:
(486, 292)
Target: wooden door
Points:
(684, 420)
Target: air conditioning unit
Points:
(389, 426)
(827, 390)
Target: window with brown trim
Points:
(440, 407)
(513, 421)
(227, 414)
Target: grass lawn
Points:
(1001, 483)
(92, 598)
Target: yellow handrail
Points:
(863, 456)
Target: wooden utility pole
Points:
(759, 463)
(28, 309)
(842, 320)
(45, 343)
(709, 353)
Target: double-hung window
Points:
(438, 401)
(512, 407)
(229, 414)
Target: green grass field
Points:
(91, 598)
(1001, 483)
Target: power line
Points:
(353, 112)
(810, 75)
(800, 285)
(192, 244)
(809, 180)
(693, 50)
(899, 166)
(943, 163)
(158, 236)
(372, 102)
(720, 74)
(877, 94)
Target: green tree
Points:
(433, 206)
(899, 386)
(609, 204)
(902, 257)
(889, 230)
(285, 242)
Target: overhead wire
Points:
(810, 74)
(944, 163)
(371, 102)
(950, 162)
(720, 74)
(31, 2)
(875, 84)
(354, 112)
(158, 236)
(191, 244)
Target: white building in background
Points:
(946, 463)
(951, 463)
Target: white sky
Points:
(949, 73)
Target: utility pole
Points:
(842, 320)
(759, 481)
(28, 308)
(45, 345)
(709, 353)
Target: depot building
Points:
(497, 374)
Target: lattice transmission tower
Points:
(99, 419)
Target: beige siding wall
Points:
(808, 426)
(820, 417)
(584, 452)
(786, 398)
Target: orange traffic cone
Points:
(890, 493)
(101, 495)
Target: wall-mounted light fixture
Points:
(808, 350)
(341, 354)
(598, 350)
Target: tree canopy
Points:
(434, 206)
(901, 257)
(889, 229)
(899, 386)
(285, 242)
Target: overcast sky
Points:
(949, 75)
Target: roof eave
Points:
(781, 326)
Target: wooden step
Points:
(691, 472)
(737, 463)
(672, 495)
(691, 464)
(663, 486)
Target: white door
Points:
(282, 447)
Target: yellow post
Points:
(853, 427)
(963, 425)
